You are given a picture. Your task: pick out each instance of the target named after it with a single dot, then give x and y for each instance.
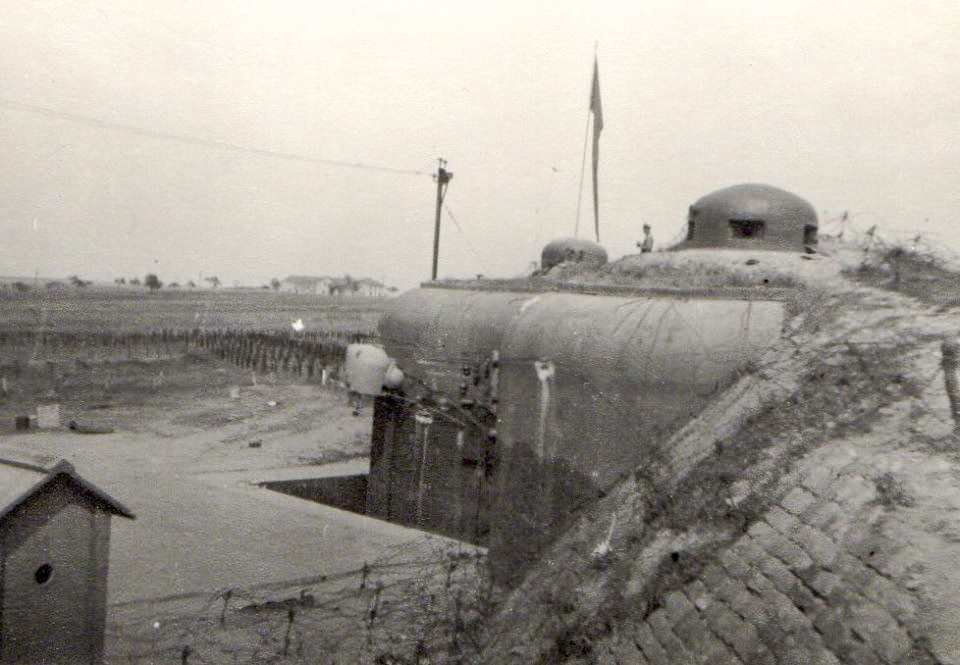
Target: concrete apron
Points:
(198, 532)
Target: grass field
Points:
(127, 310)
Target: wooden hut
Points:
(54, 555)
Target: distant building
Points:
(369, 287)
(307, 284)
(333, 286)
(55, 537)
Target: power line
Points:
(539, 212)
(465, 237)
(192, 140)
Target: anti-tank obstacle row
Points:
(304, 353)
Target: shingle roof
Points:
(19, 480)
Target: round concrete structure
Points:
(573, 250)
(751, 216)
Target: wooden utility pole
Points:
(442, 178)
(951, 351)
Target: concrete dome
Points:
(751, 216)
(574, 250)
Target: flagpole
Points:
(583, 167)
(594, 109)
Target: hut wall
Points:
(64, 529)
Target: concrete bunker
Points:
(751, 216)
(518, 407)
(54, 557)
(572, 250)
(515, 402)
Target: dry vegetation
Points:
(920, 275)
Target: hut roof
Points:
(19, 480)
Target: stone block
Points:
(785, 550)
(828, 517)
(677, 606)
(818, 480)
(734, 564)
(663, 631)
(696, 637)
(797, 500)
(650, 647)
(817, 545)
(740, 636)
(786, 523)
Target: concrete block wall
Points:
(820, 578)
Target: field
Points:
(128, 310)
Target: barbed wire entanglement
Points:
(413, 604)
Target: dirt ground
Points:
(191, 439)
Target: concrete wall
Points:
(430, 475)
(63, 619)
(586, 389)
(591, 386)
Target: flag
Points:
(597, 110)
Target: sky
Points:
(205, 137)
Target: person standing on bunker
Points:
(646, 245)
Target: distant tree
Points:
(120, 281)
(20, 287)
(352, 285)
(275, 284)
(152, 282)
(191, 285)
(54, 285)
(214, 281)
(79, 283)
(173, 285)
(135, 281)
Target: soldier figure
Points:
(646, 245)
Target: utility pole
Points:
(443, 177)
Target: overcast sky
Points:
(850, 104)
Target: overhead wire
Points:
(539, 211)
(465, 237)
(198, 141)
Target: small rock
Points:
(255, 444)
